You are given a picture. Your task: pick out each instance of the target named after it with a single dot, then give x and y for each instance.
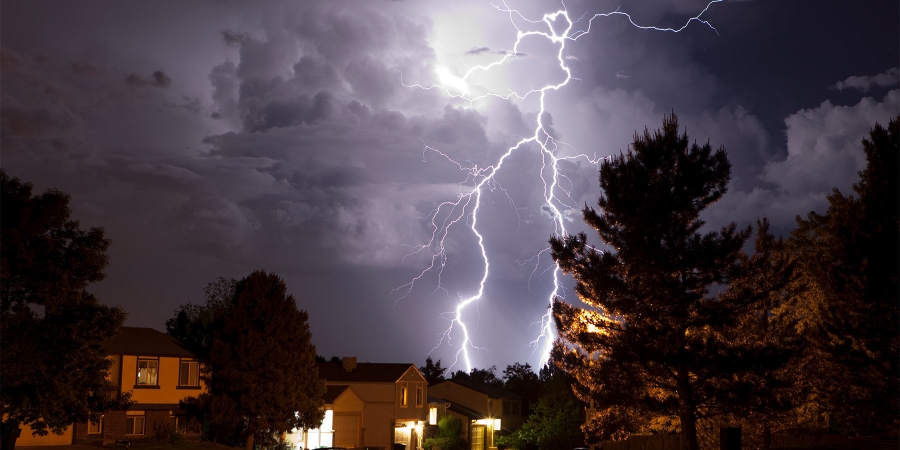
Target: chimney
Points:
(349, 363)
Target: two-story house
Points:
(158, 371)
(394, 409)
(491, 411)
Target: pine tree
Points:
(849, 310)
(659, 334)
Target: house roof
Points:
(145, 342)
(364, 372)
(488, 390)
(333, 392)
(457, 408)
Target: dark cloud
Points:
(157, 79)
(296, 147)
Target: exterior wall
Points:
(166, 391)
(412, 379)
(26, 439)
(348, 420)
(464, 396)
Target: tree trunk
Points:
(11, 433)
(688, 429)
(248, 442)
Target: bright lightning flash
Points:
(465, 208)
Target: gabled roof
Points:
(333, 392)
(488, 390)
(145, 342)
(363, 373)
(457, 408)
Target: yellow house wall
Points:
(349, 401)
(27, 440)
(466, 397)
(167, 381)
(412, 378)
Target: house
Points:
(489, 411)
(394, 408)
(341, 426)
(158, 372)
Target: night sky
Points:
(215, 138)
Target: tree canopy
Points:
(257, 355)
(658, 333)
(848, 308)
(432, 371)
(54, 364)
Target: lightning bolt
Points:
(464, 209)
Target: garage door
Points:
(346, 429)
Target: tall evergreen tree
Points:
(849, 310)
(257, 355)
(52, 362)
(657, 336)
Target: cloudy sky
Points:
(213, 138)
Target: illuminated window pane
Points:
(147, 371)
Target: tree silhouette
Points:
(849, 310)
(432, 371)
(258, 359)
(657, 336)
(54, 365)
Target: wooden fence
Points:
(646, 442)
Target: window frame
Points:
(99, 424)
(420, 395)
(137, 372)
(404, 394)
(129, 431)
(189, 362)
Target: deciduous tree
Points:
(657, 334)
(257, 355)
(54, 364)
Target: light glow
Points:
(464, 209)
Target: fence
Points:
(646, 442)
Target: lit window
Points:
(432, 415)
(420, 395)
(95, 427)
(134, 425)
(190, 374)
(147, 371)
(404, 395)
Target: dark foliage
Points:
(433, 372)
(849, 308)
(484, 376)
(661, 333)
(54, 365)
(257, 356)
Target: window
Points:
(95, 427)
(432, 415)
(404, 395)
(147, 371)
(134, 425)
(511, 408)
(420, 395)
(190, 373)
